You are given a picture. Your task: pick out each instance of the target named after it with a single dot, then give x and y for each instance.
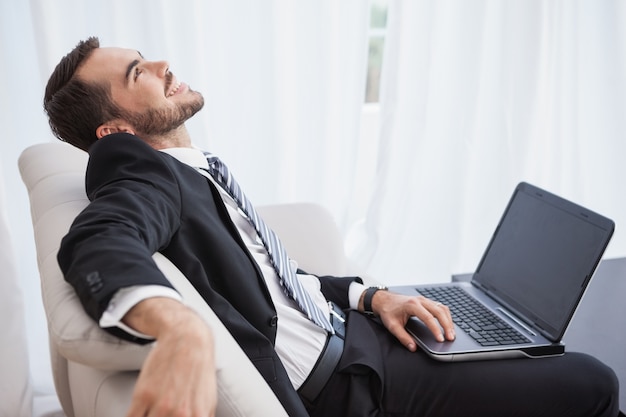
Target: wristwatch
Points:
(367, 299)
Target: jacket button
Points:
(94, 282)
(273, 321)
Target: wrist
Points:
(365, 302)
(160, 316)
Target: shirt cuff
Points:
(127, 298)
(354, 294)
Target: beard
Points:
(157, 122)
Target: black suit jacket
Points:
(144, 201)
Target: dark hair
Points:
(75, 107)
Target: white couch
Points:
(94, 372)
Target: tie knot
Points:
(217, 169)
(211, 159)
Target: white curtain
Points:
(283, 80)
(283, 83)
(477, 96)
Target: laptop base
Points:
(445, 352)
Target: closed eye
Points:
(133, 69)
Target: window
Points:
(377, 32)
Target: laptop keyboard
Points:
(475, 319)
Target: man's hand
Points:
(178, 377)
(395, 310)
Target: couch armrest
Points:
(241, 389)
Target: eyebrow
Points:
(130, 67)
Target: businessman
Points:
(327, 346)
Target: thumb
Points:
(403, 336)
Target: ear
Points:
(114, 126)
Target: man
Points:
(151, 190)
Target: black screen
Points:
(542, 256)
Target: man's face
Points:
(149, 96)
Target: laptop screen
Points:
(542, 256)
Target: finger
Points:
(433, 324)
(436, 317)
(136, 409)
(403, 337)
(442, 313)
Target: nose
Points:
(160, 68)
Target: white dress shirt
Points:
(299, 341)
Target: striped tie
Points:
(277, 253)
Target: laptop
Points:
(527, 285)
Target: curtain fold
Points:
(477, 96)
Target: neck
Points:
(177, 138)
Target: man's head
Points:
(97, 91)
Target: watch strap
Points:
(367, 299)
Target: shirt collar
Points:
(193, 157)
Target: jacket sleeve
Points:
(134, 211)
(336, 289)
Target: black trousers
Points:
(377, 376)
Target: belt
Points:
(328, 359)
